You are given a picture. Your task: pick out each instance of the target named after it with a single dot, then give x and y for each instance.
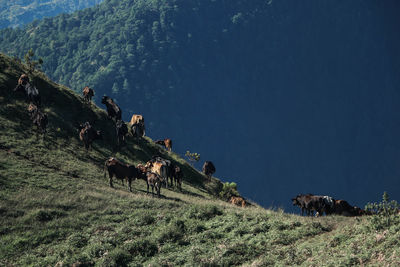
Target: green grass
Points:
(56, 207)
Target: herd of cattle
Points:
(155, 172)
(325, 204)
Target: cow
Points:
(137, 126)
(238, 201)
(177, 174)
(159, 167)
(122, 131)
(153, 180)
(208, 169)
(30, 91)
(309, 203)
(38, 117)
(113, 110)
(120, 171)
(167, 143)
(87, 135)
(87, 93)
(342, 207)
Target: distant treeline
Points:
(20, 12)
(148, 49)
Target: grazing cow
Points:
(342, 207)
(87, 93)
(309, 203)
(208, 169)
(122, 130)
(167, 143)
(113, 110)
(87, 135)
(154, 180)
(38, 117)
(30, 92)
(120, 171)
(137, 126)
(238, 201)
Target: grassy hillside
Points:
(20, 12)
(57, 208)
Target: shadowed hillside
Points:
(57, 209)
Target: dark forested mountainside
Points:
(20, 12)
(145, 50)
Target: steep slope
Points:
(17, 13)
(57, 208)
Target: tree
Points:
(192, 157)
(32, 64)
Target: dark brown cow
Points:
(87, 135)
(113, 110)
(38, 117)
(177, 174)
(167, 143)
(120, 171)
(87, 93)
(208, 169)
(154, 180)
(122, 131)
(342, 207)
(309, 203)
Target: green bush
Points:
(229, 190)
(204, 212)
(385, 213)
(142, 247)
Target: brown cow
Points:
(154, 180)
(208, 169)
(87, 93)
(113, 110)
(167, 143)
(159, 168)
(342, 207)
(38, 117)
(309, 203)
(120, 171)
(137, 126)
(87, 135)
(177, 174)
(238, 201)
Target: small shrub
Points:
(143, 247)
(118, 257)
(173, 232)
(204, 212)
(77, 240)
(47, 215)
(385, 213)
(228, 190)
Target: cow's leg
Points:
(147, 187)
(129, 184)
(111, 184)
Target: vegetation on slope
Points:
(57, 208)
(20, 12)
(147, 49)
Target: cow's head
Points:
(295, 201)
(104, 99)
